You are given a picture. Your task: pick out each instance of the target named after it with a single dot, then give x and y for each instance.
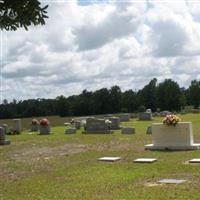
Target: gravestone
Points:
(124, 117)
(195, 111)
(34, 127)
(115, 122)
(149, 130)
(17, 127)
(45, 129)
(156, 114)
(128, 130)
(77, 124)
(3, 140)
(96, 126)
(145, 116)
(179, 137)
(5, 126)
(148, 111)
(165, 113)
(70, 130)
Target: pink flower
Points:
(171, 120)
(35, 122)
(44, 122)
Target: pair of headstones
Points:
(43, 126)
(44, 130)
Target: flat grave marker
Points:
(109, 159)
(128, 130)
(194, 160)
(171, 181)
(145, 160)
(70, 131)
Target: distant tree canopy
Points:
(21, 13)
(166, 95)
(194, 93)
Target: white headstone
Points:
(179, 137)
(17, 128)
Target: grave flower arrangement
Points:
(34, 122)
(171, 120)
(44, 122)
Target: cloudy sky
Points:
(93, 44)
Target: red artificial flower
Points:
(44, 122)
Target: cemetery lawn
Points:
(65, 167)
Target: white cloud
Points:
(101, 45)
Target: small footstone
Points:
(171, 181)
(195, 160)
(111, 159)
(70, 131)
(145, 160)
(6, 142)
(128, 130)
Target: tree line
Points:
(166, 95)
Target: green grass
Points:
(65, 167)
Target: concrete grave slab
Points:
(109, 159)
(171, 181)
(194, 160)
(145, 160)
(128, 130)
(70, 131)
